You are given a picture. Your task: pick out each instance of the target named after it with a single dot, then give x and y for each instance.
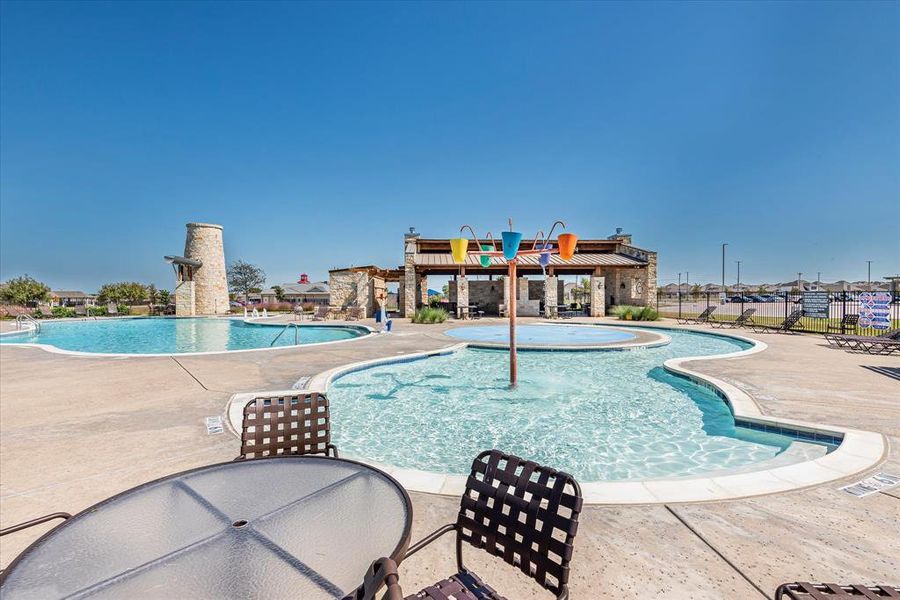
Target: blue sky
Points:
(316, 134)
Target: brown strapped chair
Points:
(382, 572)
(296, 424)
(517, 510)
(830, 591)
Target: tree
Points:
(152, 294)
(244, 277)
(164, 296)
(126, 292)
(24, 290)
(279, 293)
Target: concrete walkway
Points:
(75, 430)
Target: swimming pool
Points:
(551, 335)
(602, 416)
(175, 336)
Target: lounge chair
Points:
(322, 312)
(853, 342)
(847, 322)
(112, 309)
(514, 509)
(354, 313)
(296, 424)
(701, 318)
(744, 319)
(831, 591)
(880, 345)
(80, 310)
(783, 327)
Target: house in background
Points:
(72, 298)
(314, 292)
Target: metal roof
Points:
(578, 260)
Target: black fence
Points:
(823, 311)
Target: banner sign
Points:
(875, 310)
(815, 304)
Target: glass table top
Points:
(300, 527)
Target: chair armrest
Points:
(382, 572)
(429, 538)
(33, 522)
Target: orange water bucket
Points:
(459, 247)
(567, 243)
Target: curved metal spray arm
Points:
(488, 236)
(554, 227)
(538, 236)
(474, 237)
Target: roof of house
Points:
(71, 294)
(312, 288)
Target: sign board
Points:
(815, 304)
(875, 310)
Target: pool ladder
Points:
(296, 334)
(23, 319)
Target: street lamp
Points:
(869, 276)
(738, 276)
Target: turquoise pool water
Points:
(561, 335)
(597, 415)
(170, 336)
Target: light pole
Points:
(869, 276)
(818, 280)
(738, 276)
(799, 282)
(723, 267)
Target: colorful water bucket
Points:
(544, 257)
(511, 241)
(567, 243)
(484, 259)
(459, 246)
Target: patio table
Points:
(301, 527)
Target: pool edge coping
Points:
(859, 450)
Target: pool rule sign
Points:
(815, 305)
(874, 310)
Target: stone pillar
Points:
(505, 292)
(423, 290)
(650, 284)
(462, 292)
(522, 289)
(550, 298)
(185, 299)
(598, 294)
(407, 299)
(204, 243)
(401, 296)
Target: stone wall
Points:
(204, 243)
(349, 288)
(185, 299)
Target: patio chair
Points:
(322, 312)
(519, 511)
(854, 342)
(112, 309)
(847, 322)
(382, 572)
(831, 591)
(701, 318)
(784, 327)
(296, 424)
(744, 319)
(80, 310)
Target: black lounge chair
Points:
(855, 342)
(831, 591)
(512, 508)
(701, 318)
(744, 319)
(847, 322)
(784, 327)
(297, 424)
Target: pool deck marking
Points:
(57, 350)
(859, 450)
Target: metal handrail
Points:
(25, 317)
(296, 334)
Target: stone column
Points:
(522, 289)
(462, 292)
(598, 294)
(550, 297)
(505, 281)
(650, 283)
(423, 290)
(407, 299)
(185, 299)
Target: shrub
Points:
(62, 312)
(635, 313)
(309, 307)
(429, 314)
(97, 311)
(123, 309)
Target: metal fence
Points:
(823, 311)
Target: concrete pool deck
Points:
(75, 430)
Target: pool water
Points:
(597, 415)
(170, 336)
(559, 335)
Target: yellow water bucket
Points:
(459, 247)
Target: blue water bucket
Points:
(511, 241)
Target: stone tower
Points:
(204, 244)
